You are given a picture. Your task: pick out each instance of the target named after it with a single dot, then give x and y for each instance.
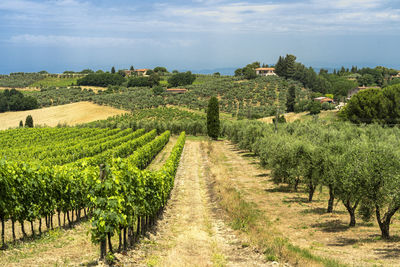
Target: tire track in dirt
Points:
(190, 233)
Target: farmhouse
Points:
(176, 90)
(324, 99)
(141, 72)
(128, 72)
(265, 71)
(358, 89)
(396, 76)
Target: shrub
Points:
(29, 121)
(315, 107)
(327, 106)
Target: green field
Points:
(54, 81)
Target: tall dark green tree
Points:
(29, 121)
(213, 124)
(291, 98)
(113, 70)
(279, 67)
(290, 66)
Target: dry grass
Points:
(303, 116)
(21, 89)
(55, 248)
(314, 235)
(190, 233)
(160, 159)
(70, 114)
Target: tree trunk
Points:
(138, 227)
(13, 229)
(311, 190)
(125, 244)
(40, 226)
(59, 219)
(33, 231)
(120, 239)
(3, 244)
(23, 229)
(296, 184)
(130, 236)
(352, 212)
(331, 199)
(109, 243)
(64, 219)
(384, 223)
(103, 248)
(69, 221)
(51, 221)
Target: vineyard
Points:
(54, 172)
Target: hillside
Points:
(69, 114)
(240, 98)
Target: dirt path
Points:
(163, 155)
(190, 233)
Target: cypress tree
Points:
(213, 118)
(112, 70)
(29, 121)
(290, 67)
(21, 124)
(291, 98)
(279, 67)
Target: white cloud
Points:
(68, 16)
(79, 41)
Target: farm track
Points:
(190, 232)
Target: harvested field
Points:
(303, 116)
(21, 89)
(70, 114)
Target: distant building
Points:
(358, 89)
(141, 72)
(176, 90)
(265, 71)
(128, 72)
(324, 99)
(396, 76)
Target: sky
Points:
(59, 35)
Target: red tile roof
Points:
(265, 69)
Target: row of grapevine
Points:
(126, 197)
(32, 191)
(359, 165)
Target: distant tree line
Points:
(181, 79)
(374, 106)
(101, 79)
(13, 100)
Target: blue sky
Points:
(58, 35)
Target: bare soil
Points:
(70, 114)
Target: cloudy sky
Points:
(58, 35)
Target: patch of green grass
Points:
(305, 253)
(218, 260)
